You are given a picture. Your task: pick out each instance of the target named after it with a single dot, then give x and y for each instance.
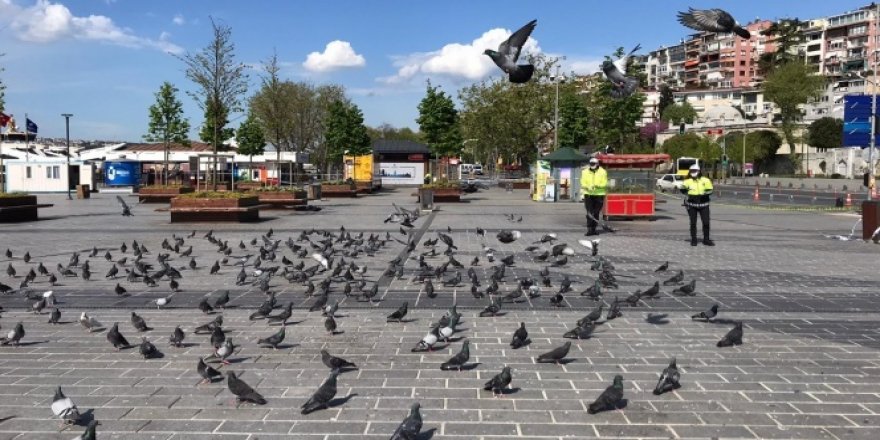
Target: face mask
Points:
(694, 174)
(594, 166)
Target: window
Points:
(27, 172)
(53, 172)
(858, 30)
(48, 172)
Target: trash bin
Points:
(82, 191)
(870, 218)
(426, 199)
(314, 191)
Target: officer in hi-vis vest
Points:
(594, 184)
(698, 189)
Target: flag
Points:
(31, 127)
(4, 119)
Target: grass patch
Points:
(10, 195)
(214, 195)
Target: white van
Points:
(478, 169)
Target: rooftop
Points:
(399, 146)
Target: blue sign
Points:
(122, 173)
(857, 121)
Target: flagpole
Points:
(27, 140)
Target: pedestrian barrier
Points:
(848, 200)
(757, 196)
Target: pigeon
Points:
(428, 341)
(499, 382)
(54, 316)
(218, 336)
(611, 398)
(733, 337)
(593, 316)
(592, 245)
(13, 336)
(594, 291)
(222, 300)
(215, 268)
(411, 426)
(116, 338)
(712, 20)
(686, 290)
(633, 300)
(557, 300)
(138, 323)
(651, 292)
(508, 53)
(520, 337)
(429, 289)
(322, 396)
(89, 322)
(491, 310)
(207, 372)
(584, 330)
(38, 306)
(319, 303)
(10, 271)
(120, 290)
(459, 360)
(556, 355)
(398, 314)
(64, 408)
(663, 267)
(506, 236)
(263, 311)
(330, 325)
(335, 363)
(89, 433)
(126, 210)
(676, 279)
(282, 317)
(273, 340)
(148, 350)
(668, 379)
(454, 281)
(622, 86)
(243, 392)
(707, 315)
(205, 306)
(160, 302)
(614, 310)
(176, 338)
(209, 327)
(224, 351)
(331, 309)
(508, 260)
(112, 272)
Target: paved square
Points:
(809, 366)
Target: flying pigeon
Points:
(733, 337)
(207, 372)
(126, 210)
(499, 382)
(273, 340)
(64, 408)
(411, 426)
(323, 395)
(520, 337)
(459, 360)
(668, 379)
(707, 315)
(712, 20)
(335, 363)
(610, 398)
(556, 355)
(508, 53)
(243, 392)
(622, 86)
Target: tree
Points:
(787, 36)
(221, 81)
(250, 139)
(387, 131)
(438, 121)
(271, 107)
(215, 133)
(790, 86)
(693, 145)
(761, 146)
(825, 133)
(574, 120)
(666, 99)
(679, 113)
(167, 124)
(345, 131)
(616, 118)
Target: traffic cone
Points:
(848, 200)
(757, 196)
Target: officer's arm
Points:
(602, 179)
(709, 188)
(684, 187)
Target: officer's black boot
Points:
(706, 240)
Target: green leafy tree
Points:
(666, 99)
(220, 81)
(825, 133)
(760, 147)
(616, 119)
(438, 122)
(787, 36)
(693, 145)
(250, 139)
(790, 86)
(346, 132)
(167, 124)
(678, 113)
(574, 120)
(271, 107)
(387, 131)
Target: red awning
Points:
(632, 160)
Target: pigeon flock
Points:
(331, 268)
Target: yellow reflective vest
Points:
(701, 186)
(594, 183)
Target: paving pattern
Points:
(808, 369)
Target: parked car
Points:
(670, 182)
(478, 169)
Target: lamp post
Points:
(67, 117)
(556, 80)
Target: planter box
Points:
(19, 208)
(449, 195)
(338, 190)
(515, 184)
(282, 199)
(629, 205)
(161, 195)
(364, 187)
(245, 209)
(248, 186)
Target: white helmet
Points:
(694, 167)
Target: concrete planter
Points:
(281, 199)
(161, 195)
(448, 195)
(248, 186)
(244, 209)
(344, 190)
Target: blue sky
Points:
(102, 60)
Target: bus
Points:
(683, 164)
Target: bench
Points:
(205, 214)
(21, 213)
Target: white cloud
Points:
(337, 55)
(456, 60)
(178, 20)
(47, 22)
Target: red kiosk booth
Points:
(634, 178)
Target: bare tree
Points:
(221, 82)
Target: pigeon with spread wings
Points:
(126, 210)
(712, 20)
(508, 53)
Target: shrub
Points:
(214, 195)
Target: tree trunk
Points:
(165, 179)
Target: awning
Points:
(632, 160)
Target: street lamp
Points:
(67, 117)
(556, 80)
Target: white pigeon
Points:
(322, 260)
(49, 297)
(589, 244)
(446, 332)
(163, 301)
(64, 408)
(427, 343)
(89, 322)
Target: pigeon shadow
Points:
(64, 322)
(508, 391)
(337, 332)
(722, 321)
(185, 345)
(237, 360)
(659, 319)
(340, 400)
(3, 419)
(86, 417)
(29, 343)
(469, 367)
(282, 346)
(451, 340)
(427, 435)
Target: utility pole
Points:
(873, 105)
(67, 117)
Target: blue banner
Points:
(857, 121)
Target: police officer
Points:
(594, 182)
(698, 189)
